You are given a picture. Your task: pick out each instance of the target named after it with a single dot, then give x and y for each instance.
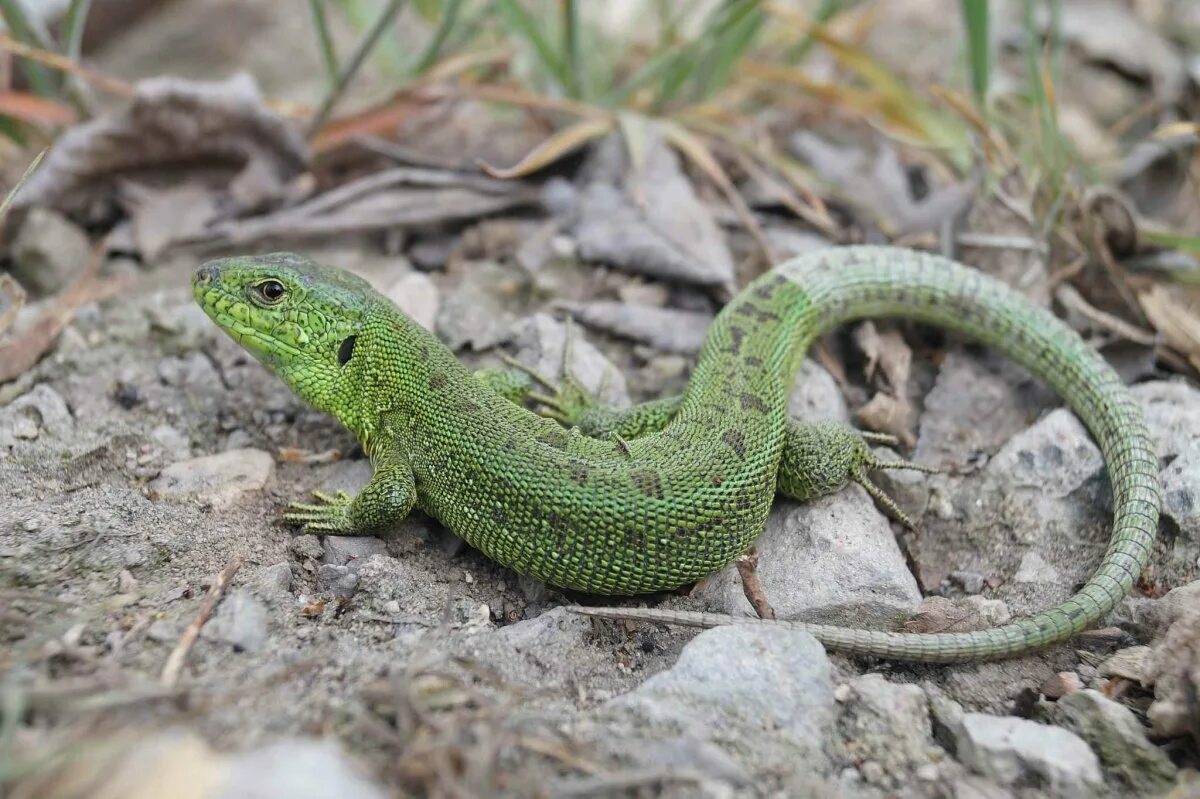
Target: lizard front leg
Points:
(384, 502)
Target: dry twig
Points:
(170, 672)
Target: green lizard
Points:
(672, 491)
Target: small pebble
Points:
(1061, 684)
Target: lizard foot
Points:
(859, 475)
(331, 516)
(567, 399)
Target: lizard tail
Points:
(861, 282)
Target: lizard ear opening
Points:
(346, 350)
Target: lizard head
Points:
(300, 319)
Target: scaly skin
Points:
(692, 491)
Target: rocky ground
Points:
(145, 460)
(147, 451)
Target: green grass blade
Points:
(979, 55)
(523, 26)
(433, 50)
(329, 58)
(41, 80)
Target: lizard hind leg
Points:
(821, 458)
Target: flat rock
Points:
(219, 480)
(241, 621)
(664, 329)
(1015, 752)
(540, 341)
(753, 676)
(831, 560)
(347, 550)
(1116, 735)
(1181, 501)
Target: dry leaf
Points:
(1178, 321)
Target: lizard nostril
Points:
(207, 273)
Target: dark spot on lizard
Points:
(554, 438)
(764, 291)
(467, 407)
(437, 381)
(751, 360)
(423, 352)
(647, 482)
(736, 441)
(577, 471)
(717, 479)
(737, 335)
(750, 401)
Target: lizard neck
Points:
(403, 372)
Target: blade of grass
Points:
(329, 59)
(432, 52)
(29, 170)
(32, 108)
(74, 24)
(555, 147)
(572, 54)
(61, 63)
(979, 56)
(729, 46)
(522, 25)
(40, 79)
(696, 151)
(365, 45)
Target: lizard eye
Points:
(270, 292)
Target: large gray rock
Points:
(1017, 752)
(217, 480)
(831, 560)
(1119, 739)
(477, 312)
(767, 676)
(416, 295)
(48, 251)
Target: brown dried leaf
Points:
(888, 414)
(886, 352)
(1178, 320)
(565, 141)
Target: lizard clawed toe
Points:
(332, 515)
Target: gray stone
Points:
(647, 219)
(831, 560)
(241, 620)
(816, 396)
(174, 443)
(48, 251)
(477, 311)
(890, 726)
(970, 582)
(1016, 752)
(295, 769)
(1172, 410)
(1116, 735)
(346, 550)
(350, 476)
(218, 480)
(417, 296)
(665, 329)
(1174, 669)
(275, 581)
(307, 546)
(1181, 501)
(40, 410)
(758, 676)
(540, 341)
(341, 581)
